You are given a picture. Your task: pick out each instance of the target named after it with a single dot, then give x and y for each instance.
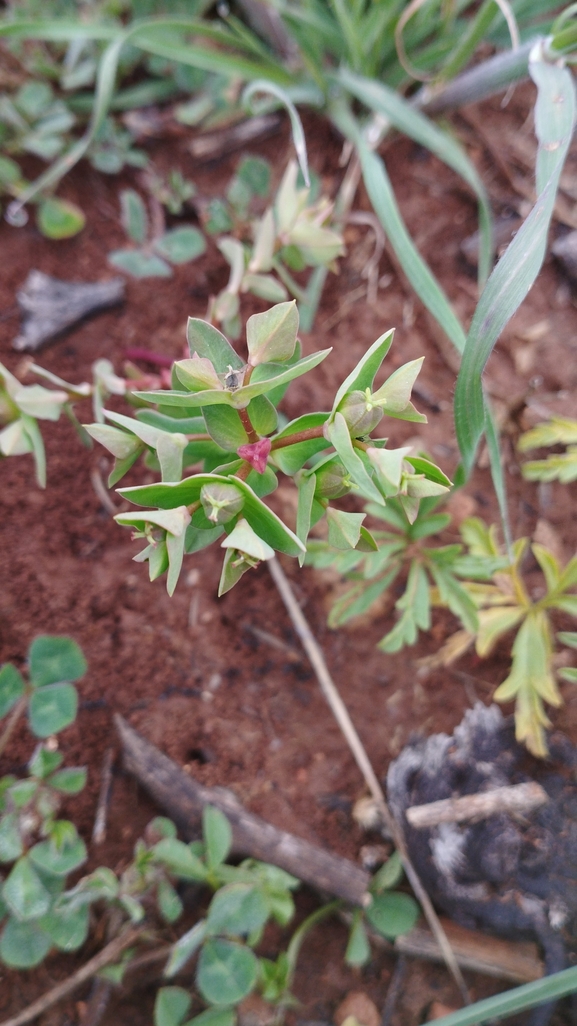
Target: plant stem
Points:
(242, 472)
(299, 436)
(108, 954)
(298, 937)
(247, 425)
(13, 720)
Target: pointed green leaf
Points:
(363, 375)
(338, 434)
(217, 835)
(358, 950)
(344, 528)
(208, 342)
(139, 263)
(271, 336)
(133, 215)
(244, 539)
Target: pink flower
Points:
(256, 453)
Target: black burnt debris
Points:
(513, 876)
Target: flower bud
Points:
(221, 502)
(332, 481)
(360, 414)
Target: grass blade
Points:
(517, 270)
(261, 85)
(411, 122)
(516, 1000)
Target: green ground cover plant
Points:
(40, 911)
(151, 257)
(556, 466)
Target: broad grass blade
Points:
(517, 270)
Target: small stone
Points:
(254, 1011)
(357, 1006)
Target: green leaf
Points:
(214, 1017)
(208, 342)
(568, 638)
(392, 913)
(24, 892)
(225, 427)
(389, 875)
(363, 375)
(59, 861)
(226, 972)
(455, 596)
(516, 271)
(171, 1006)
(265, 287)
(133, 216)
(271, 336)
(306, 493)
(415, 606)
(493, 623)
(23, 945)
(54, 658)
(69, 781)
(11, 688)
(531, 681)
(67, 928)
(291, 458)
(119, 443)
(217, 834)
(11, 846)
(169, 904)
(263, 415)
(339, 436)
(518, 999)
(244, 539)
(139, 264)
(52, 708)
(59, 219)
(178, 859)
(180, 245)
(263, 521)
(43, 762)
(238, 909)
(185, 948)
(407, 119)
(358, 948)
(344, 528)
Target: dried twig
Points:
(515, 799)
(99, 828)
(341, 714)
(108, 954)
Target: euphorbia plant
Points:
(221, 418)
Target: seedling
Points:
(294, 233)
(223, 416)
(40, 851)
(152, 257)
(113, 148)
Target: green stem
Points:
(298, 937)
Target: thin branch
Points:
(341, 714)
(15, 715)
(108, 954)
